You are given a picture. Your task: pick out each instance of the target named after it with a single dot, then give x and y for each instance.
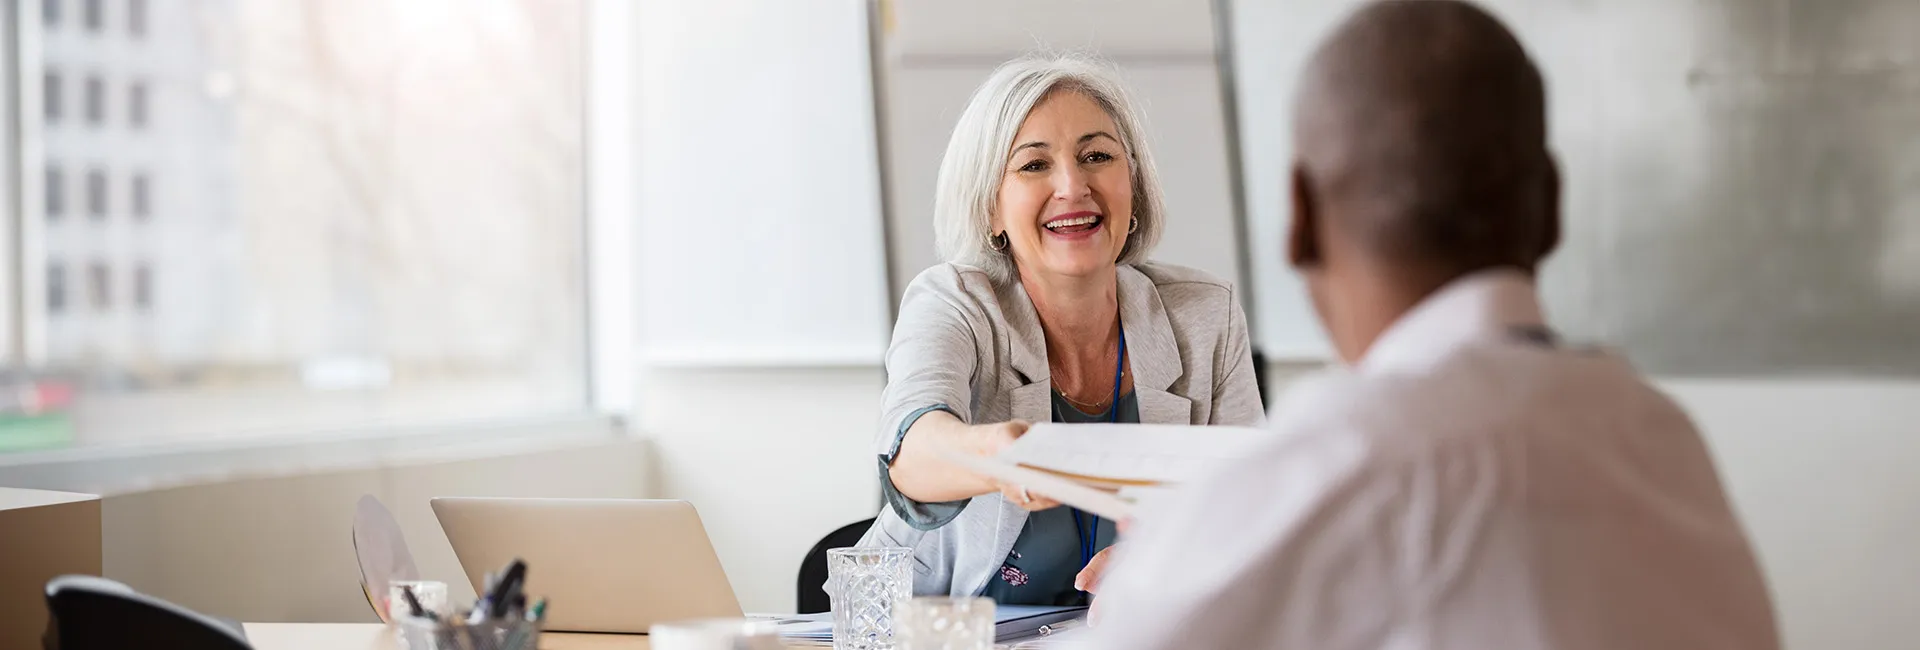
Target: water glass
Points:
(944, 623)
(431, 593)
(713, 634)
(864, 585)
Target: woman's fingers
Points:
(1025, 498)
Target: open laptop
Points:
(605, 565)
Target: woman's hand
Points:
(988, 441)
(1019, 496)
(1089, 578)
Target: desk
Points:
(374, 636)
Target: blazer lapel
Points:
(1152, 350)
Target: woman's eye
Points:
(1037, 165)
(1098, 157)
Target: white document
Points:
(1095, 467)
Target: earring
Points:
(1133, 225)
(997, 242)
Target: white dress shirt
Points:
(1467, 486)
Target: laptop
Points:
(605, 565)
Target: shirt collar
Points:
(1476, 306)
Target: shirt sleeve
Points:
(920, 515)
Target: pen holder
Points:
(507, 634)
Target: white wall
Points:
(1822, 473)
(773, 459)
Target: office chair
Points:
(94, 613)
(812, 597)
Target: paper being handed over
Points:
(1094, 467)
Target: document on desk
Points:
(1102, 468)
(1011, 622)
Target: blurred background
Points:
(263, 256)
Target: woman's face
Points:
(1066, 195)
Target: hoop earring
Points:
(998, 242)
(1133, 225)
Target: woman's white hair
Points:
(968, 187)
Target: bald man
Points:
(1465, 480)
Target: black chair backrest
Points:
(93, 613)
(813, 570)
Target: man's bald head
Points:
(1420, 129)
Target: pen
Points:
(413, 604)
(509, 587)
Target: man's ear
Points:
(1550, 229)
(1303, 230)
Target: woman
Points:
(1046, 208)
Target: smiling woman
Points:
(1046, 209)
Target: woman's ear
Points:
(1303, 230)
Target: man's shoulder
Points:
(1475, 397)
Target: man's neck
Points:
(1379, 296)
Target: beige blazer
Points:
(967, 344)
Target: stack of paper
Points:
(1092, 466)
(1011, 623)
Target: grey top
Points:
(965, 345)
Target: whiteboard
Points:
(758, 219)
(1741, 179)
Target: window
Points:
(385, 228)
(56, 288)
(96, 98)
(141, 206)
(56, 193)
(100, 286)
(137, 105)
(97, 194)
(137, 17)
(143, 288)
(50, 12)
(50, 96)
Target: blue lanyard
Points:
(1087, 525)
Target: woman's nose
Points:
(1070, 183)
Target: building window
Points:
(100, 286)
(143, 288)
(137, 105)
(137, 17)
(96, 98)
(50, 95)
(97, 194)
(142, 197)
(56, 288)
(300, 291)
(56, 193)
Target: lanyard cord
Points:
(1087, 525)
